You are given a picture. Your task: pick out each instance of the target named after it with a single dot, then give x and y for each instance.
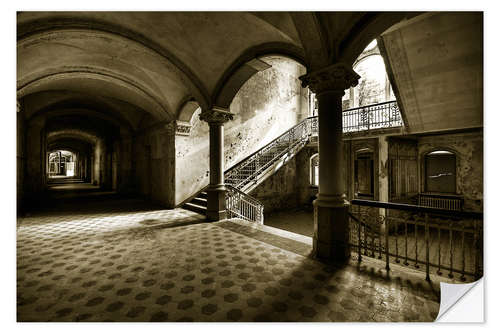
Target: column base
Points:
(216, 203)
(331, 231)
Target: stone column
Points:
(331, 222)
(216, 205)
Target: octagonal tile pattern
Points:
(170, 265)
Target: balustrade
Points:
(247, 171)
(426, 238)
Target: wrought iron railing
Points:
(426, 238)
(369, 117)
(249, 170)
(449, 202)
(243, 206)
(251, 167)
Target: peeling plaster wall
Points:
(192, 160)
(469, 150)
(267, 105)
(290, 186)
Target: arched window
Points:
(314, 167)
(440, 171)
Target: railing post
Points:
(427, 249)
(462, 277)
(476, 252)
(359, 233)
(386, 242)
(406, 243)
(451, 252)
(416, 245)
(439, 250)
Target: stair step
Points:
(200, 201)
(202, 195)
(195, 208)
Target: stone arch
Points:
(34, 28)
(128, 91)
(248, 64)
(366, 30)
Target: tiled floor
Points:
(133, 263)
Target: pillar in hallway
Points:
(331, 222)
(216, 205)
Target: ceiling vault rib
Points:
(43, 26)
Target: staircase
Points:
(243, 177)
(253, 170)
(198, 204)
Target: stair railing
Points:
(243, 206)
(423, 237)
(248, 169)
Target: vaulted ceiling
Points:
(143, 67)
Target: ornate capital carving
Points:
(337, 77)
(216, 115)
(182, 128)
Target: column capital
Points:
(337, 77)
(216, 115)
(182, 128)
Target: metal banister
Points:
(434, 238)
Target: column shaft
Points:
(216, 192)
(331, 220)
(331, 188)
(217, 156)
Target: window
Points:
(314, 167)
(440, 172)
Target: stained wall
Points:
(469, 150)
(267, 105)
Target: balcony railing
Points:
(449, 202)
(369, 117)
(426, 238)
(250, 170)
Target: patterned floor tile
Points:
(169, 265)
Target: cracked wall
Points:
(267, 105)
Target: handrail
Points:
(250, 168)
(245, 171)
(250, 198)
(373, 116)
(370, 105)
(415, 208)
(436, 238)
(270, 143)
(241, 205)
